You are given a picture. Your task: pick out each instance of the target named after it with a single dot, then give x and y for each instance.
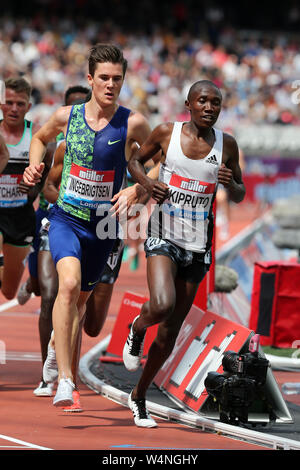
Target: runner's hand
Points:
(24, 188)
(225, 176)
(160, 191)
(125, 199)
(33, 174)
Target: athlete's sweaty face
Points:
(15, 108)
(107, 82)
(205, 105)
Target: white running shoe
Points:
(44, 389)
(64, 393)
(140, 413)
(23, 295)
(133, 349)
(50, 368)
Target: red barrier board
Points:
(130, 308)
(199, 349)
(275, 303)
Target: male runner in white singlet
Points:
(17, 215)
(195, 158)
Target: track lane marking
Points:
(23, 443)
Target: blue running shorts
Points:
(72, 236)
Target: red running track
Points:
(30, 422)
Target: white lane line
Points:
(10, 304)
(22, 356)
(19, 356)
(13, 447)
(23, 443)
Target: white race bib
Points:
(189, 198)
(88, 188)
(10, 194)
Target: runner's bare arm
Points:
(46, 134)
(128, 196)
(230, 173)
(155, 145)
(138, 131)
(51, 189)
(38, 187)
(125, 199)
(4, 155)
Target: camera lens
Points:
(214, 383)
(230, 361)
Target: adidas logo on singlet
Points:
(213, 160)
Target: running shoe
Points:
(134, 263)
(44, 389)
(76, 407)
(125, 254)
(133, 349)
(64, 393)
(140, 413)
(23, 295)
(50, 368)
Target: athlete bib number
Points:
(10, 194)
(88, 188)
(188, 198)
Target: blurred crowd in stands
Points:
(255, 69)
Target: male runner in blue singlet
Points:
(99, 139)
(42, 278)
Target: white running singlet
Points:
(10, 194)
(184, 218)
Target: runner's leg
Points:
(161, 273)
(96, 308)
(66, 314)
(167, 333)
(48, 287)
(13, 269)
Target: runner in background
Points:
(4, 157)
(4, 154)
(134, 247)
(17, 215)
(98, 304)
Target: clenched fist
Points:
(225, 176)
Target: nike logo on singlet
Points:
(111, 142)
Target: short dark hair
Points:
(76, 89)
(101, 53)
(19, 85)
(200, 84)
(83, 100)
